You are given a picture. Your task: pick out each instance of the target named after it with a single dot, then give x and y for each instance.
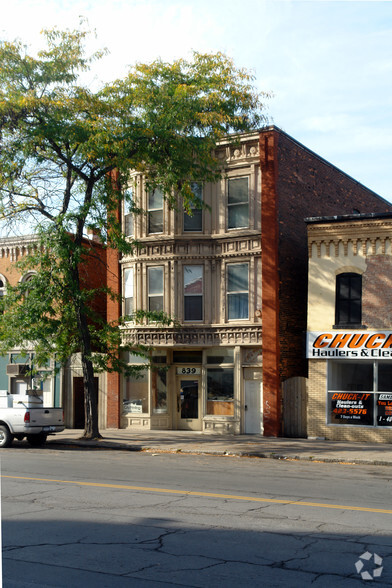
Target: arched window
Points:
(348, 308)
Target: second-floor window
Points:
(193, 292)
(128, 291)
(238, 203)
(155, 211)
(194, 222)
(237, 291)
(155, 288)
(128, 216)
(348, 308)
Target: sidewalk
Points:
(236, 445)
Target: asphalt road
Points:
(113, 519)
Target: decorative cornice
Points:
(13, 248)
(176, 250)
(203, 336)
(367, 237)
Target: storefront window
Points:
(187, 356)
(220, 391)
(135, 399)
(360, 393)
(220, 355)
(159, 390)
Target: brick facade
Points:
(303, 185)
(361, 245)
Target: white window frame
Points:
(236, 292)
(128, 286)
(194, 208)
(193, 294)
(233, 205)
(151, 210)
(155, 294)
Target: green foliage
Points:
(66, 153)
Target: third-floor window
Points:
(194, 222)
(155, 211)
(238, 203)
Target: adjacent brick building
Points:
(66, 387)
(235, 277)
(350, 328)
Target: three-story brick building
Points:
(234, 276)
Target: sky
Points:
(327, 63)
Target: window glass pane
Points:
(348, 299)
(128, 283)
(187, 356)
(159, 391)
(238, 191)
(351, 376)
(155, 199)
(197, 190)
(220, 355)
(220, 391)
(135, 399)
(193, 308)
(193, 279)
(238, 216)
(237, 275)
(129, 225)
(155, 221)
(155, 303)
(155, 280)
(385, 377)
(195, 222)
(137, 359)
(238, 306)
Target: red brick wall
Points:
(306, 186)
(93, 274)
(270, 285)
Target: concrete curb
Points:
(209, 451)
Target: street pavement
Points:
(231, 445)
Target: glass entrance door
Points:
(188, 404)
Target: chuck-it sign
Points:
(349, 345)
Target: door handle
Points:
(246, 407)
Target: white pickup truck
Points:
(26, 416)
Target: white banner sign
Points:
(349, 344)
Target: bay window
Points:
(194, 222)
(237, 291)
(193, 292)
(238, 203)
(155, 211)
(128, 291)
(155, 288)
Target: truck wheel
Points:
(5, 436)
(36, 440)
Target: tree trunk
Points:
(91, 430)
